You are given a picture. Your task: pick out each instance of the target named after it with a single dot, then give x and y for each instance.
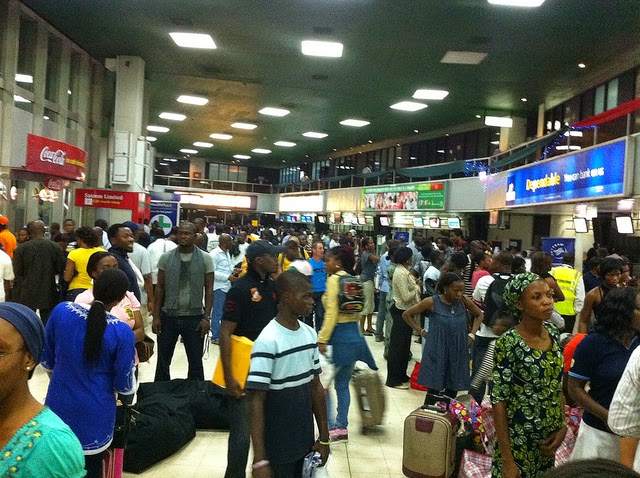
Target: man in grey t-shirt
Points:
(369, 263)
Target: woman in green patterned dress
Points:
(527, 398)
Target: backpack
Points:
(350, 295)
(493, 299)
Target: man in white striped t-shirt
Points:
(284, 386)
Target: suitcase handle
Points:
(434, 402)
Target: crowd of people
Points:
(507, 324)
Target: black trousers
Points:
(399, 349)
(288, 470)
(172, 328)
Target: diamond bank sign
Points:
(47, 156)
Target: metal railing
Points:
(213, 184)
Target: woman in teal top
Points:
(33, 440)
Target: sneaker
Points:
(401, 386)
(215, 341)
(338, 435)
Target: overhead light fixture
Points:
(201, 144)
(463, 57)
(354, 122)
(20, 99)
(322, 48)
(286, 144)
(193, 40)
(20, 78)
(261, 151)
(172, 116)
(274, 111)
(581, 65)
(192, 100)
(244, 125)
(408, 106)
(517, 3)
(441, 151)
(499, 121)
(426, 94)
(495, 143)
(158, 129)
(478, 116)
(564, 147)
(523, 100)
(189, 151)
(45, 117)
(314, 134)
(151, 139)
(575, 134)
(241, 156)
(220, 136)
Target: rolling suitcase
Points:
(369, 390)
(429, 444)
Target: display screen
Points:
(362, 221)
(337, 217)
(580, 224)
(434, 222)
(417, 222)
(624, 224)
(384, 220)
(494, 217)
(453, 222)
(321, 219)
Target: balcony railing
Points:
(214, 184)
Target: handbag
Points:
(145, 348)
(124, 420)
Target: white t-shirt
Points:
(155, 250)
(478, 295)
(6, 269)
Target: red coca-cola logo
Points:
(55, 184)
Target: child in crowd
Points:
(284, 386)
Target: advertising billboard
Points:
(48, 156)
(419, 197)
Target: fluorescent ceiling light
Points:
(220, 136)
(581, 65)
(518, 3)
(408, 106)
(201, 144)
(564, 147)
(158, 129)
(274, 111)
(354, 122)
(244, 125)
(192, 100)
(441, 151)
(322, 48)
(286, 144)
(172, 160)
(524, 100)
(20, 99)
(499, 121)
(261, 151)
(20, 78)
(45, 117)
(163, 164)
(425, 94)
(478, 116)
(314, 134)
(151, 139)
(193, 40)
(172, 116)
(188, 151)
(575, 134)
(241, 156)
(495, 142)
(463, 57)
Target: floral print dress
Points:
(530, 382)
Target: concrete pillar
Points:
(517, 134)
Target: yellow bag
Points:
(240, 361)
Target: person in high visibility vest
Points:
(571, 284)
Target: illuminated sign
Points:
(314, 203)
(219, 200)
(425, 197)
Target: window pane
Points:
(27, 53)
(599, 101)
(612, 94)
(75, 71)
(54, 55)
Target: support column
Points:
(517, 134)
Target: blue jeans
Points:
(382, 314)
(318, 310)
(172, 328)
(219, 297)
(341, 384)
(239, 438)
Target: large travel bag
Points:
(429, 445)
(369, 391)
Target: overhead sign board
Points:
(422, 197)
(48, 156)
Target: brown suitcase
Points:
(369, 390)
(429, 445)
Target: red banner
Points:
(109, 199)
(609, 115)
(52, 157)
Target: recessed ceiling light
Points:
(416, 131)
(322, 48)
(158, 129)
(576, 134)
(440, 151)
(523, 100)
(581, 65)
(286, 144)
(261, 151)
(478, 116)
(425, 94)
(20, 78)
(314, 134)
(201, 144)
(193, 40)
(495, 142)
(518, 3)
(20, 99)
(408, 106)
(463, 57)
(192, 100)
(151, 139)
(189, 151)
(172, 116)
(45, 117)
(220, 136)
(499, 121)
(241, 156)
(354, 122)
(274, 111)
(244, 125)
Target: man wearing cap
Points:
(249, 307)
(7, 239)
(121, 239)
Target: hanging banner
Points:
(424, 197)
(557, 247)
(166, 213)
(47, 156)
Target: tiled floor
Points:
(377, 455)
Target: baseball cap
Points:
(353, 232)
(261, 248)
(131, 225)
(4, 220)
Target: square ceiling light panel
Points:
(21, 78)
(354, 122)
(427, 94)
(157, 129)
(192, 100)
(193, 40)
(498, 121)
(463, 57)
(315, 134)
(172, 116)
(221, 136)
(408, 106)
(322, 48)
(274, 111)
(518, 3)
(244, 125)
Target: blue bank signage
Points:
(593, 173)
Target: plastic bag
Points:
(311, 467)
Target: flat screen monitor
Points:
(417, 222)
(624, 224)
(337, 217)
(362, 221)
(494, 217)
(384, 221)
(580, 225)
(321, 218)
(453, 222)
(354, 221)
(434, 222)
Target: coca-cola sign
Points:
(55, 184)
(48, 156)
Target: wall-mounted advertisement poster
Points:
(418, 197)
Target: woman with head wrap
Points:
(33, 440)
(90, 354)
(527, 383)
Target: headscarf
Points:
(27, 323)
(514, 289)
